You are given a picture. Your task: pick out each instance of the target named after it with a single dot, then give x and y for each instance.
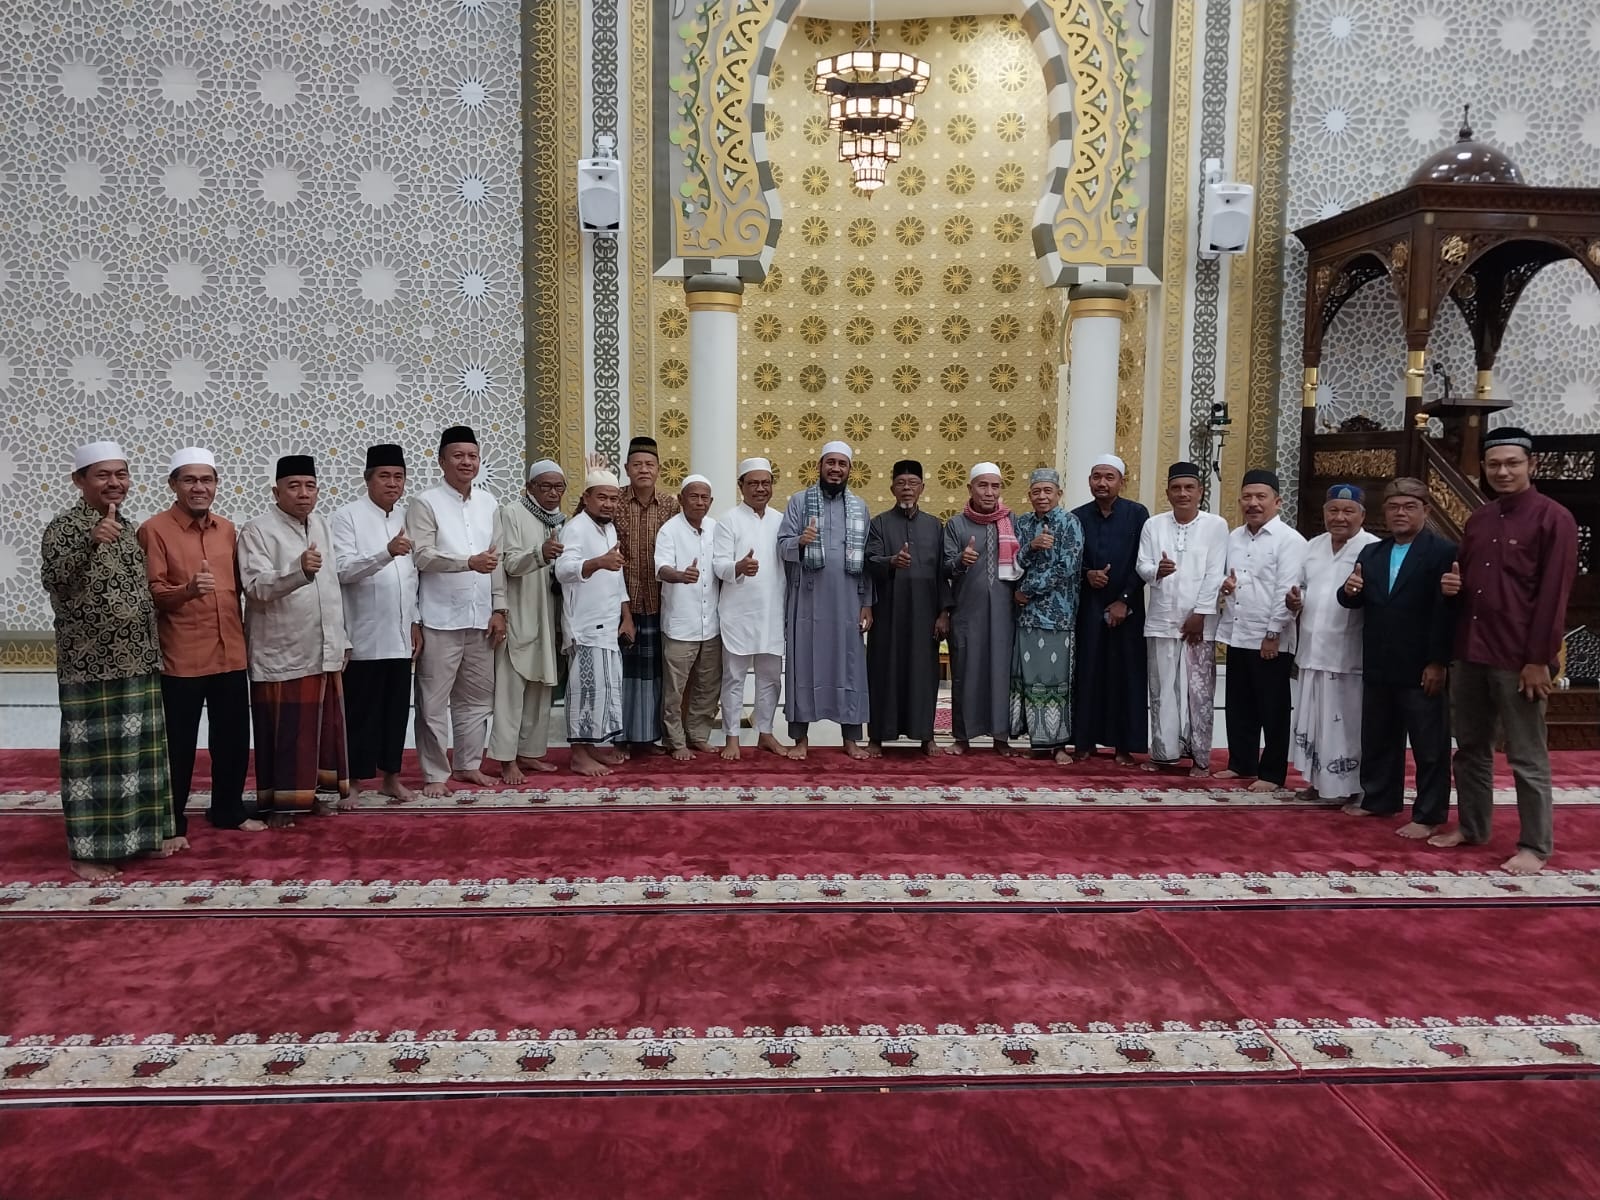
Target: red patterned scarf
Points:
(1001, 517)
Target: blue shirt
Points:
(1397, 555)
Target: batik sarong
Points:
(594, 696)
(641, 681)
(116, 789)
(1041, 687)
(1326, 742)
(1183, 690)
(300, 741)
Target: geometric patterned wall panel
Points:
(1376, 88)
(259, 225)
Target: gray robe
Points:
(982, 624)
(825, 663)
(902, 653)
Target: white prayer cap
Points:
(754, 464)
(192, 456)
(599, 477)
(688, 479)
(836, 448)
(96, 452)
(545, 466)
(982, 469)
(1112, 461)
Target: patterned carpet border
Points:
(1086, 890)
(836, 1053)
(659, 797)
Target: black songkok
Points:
(296, 464)
(907, 466)
(386, 455)
(1262, 475)
(643, 445)
(1182, 470)
(456, 434)
(1507, 435)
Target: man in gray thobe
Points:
(827, 605)
(980, 557)
(905, 549)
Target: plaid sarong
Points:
(300, 741)
(115, 787)
(856, 521)
(641, 681)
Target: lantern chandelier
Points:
(869, 102)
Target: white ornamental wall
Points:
(1377, 88)
(258, 225)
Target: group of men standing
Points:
(652, 615)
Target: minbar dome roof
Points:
(1468, 161)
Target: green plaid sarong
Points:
(115, 786)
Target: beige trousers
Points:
(455, 675)
(521, 726)
(695, 667)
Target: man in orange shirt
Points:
(189, 557)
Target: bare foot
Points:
(611, 756)
(280, 821)
(172, 845)
(799, 750)
(1226, 774)
(535, 764)
(1523, 862)
(1448, 839)
(1354, 809)
(511, 773)
(584, 762)
(770, 743)
(438, 790)
(700, 746)
(94, 872)
(1003, 749)
(1415, 831)
(1307, 794)
(1084, 756)
(1200, 773)
(252, 825)
(856, 750)
(958, 748)
(730, 750)
(874, 749)
(1065, 758)
(1122, 760)
(1153, 765)
(1264, 785)
(324, 806)
(474, 777)
(682, 754)
(932, 748)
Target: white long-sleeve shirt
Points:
(591, 608)
(1265, 564)
(294, 625)
(1330, 634)
(380, 590)
(688, 610)
(446, 530)
(749, 607)
(1200, 549)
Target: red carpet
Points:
(1241, 1142)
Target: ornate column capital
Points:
(1097, 300)
(714, 293)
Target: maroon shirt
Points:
(1519, 556)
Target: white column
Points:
(1087, 417)
(714, 302)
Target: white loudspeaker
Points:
(1229, 212)
(600, 196)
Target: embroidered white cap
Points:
(599, 477)
(837, 448)
(97, 452)
(981, 469)
(192, 456)
(754, 464)
(688, 479)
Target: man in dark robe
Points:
(1109, 704)
(980, 557)
(911, 616)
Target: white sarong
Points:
(1327, 733)
(1183, 690)
(594, 695)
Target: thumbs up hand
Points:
(551, 550)
(1230, 585)
(970, 554)
(809, 533)
(902, 560)
(1044, 541)
(692, 575)
(611, 560)
(107, 529)
(399, 545)
(1165, 567)
(311, 561)
(747, 565)
(204, 582)
(1353, 585)
(1450, 581)
(485, 562)
(1293, 601)
(1100, 578)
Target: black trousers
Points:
(377, 705)
(1390, 715)
(1258, 704)
(225, 699)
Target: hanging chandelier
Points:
(869, 102)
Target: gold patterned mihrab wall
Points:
(912, 323)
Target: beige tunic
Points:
(524, 585)
(295, 625)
